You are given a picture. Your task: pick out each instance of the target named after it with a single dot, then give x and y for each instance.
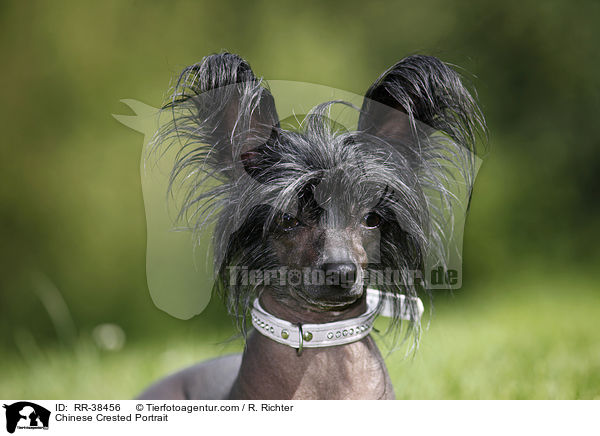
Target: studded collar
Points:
(328, 334)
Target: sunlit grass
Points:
(532, 341)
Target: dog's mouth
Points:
(331, 291)
(327, 299)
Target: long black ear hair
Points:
(222, 110)
(428, 91)
(218, 113)
(421, 108)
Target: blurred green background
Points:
(76, 318)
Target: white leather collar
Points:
(329, 334)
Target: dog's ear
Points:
(420, 89)
(220, 103)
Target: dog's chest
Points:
(357, 374)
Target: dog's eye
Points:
(287, 222)
(371, 220)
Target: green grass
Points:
(534, 341)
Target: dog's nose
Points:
(343, 273)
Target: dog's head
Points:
(308, 214)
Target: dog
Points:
(304, 217)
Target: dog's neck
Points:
(271, 370)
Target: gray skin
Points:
(268, 370)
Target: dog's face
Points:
(328, 246)
(329, 208)
(332, 248)
(328, 238)
(304, 214)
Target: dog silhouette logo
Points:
(26, 415)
